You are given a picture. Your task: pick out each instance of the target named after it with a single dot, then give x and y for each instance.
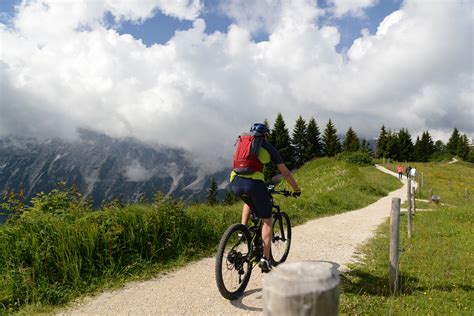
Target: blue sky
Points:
(66, 65)
(161, 27)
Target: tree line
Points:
(306, 143)
(400, 147)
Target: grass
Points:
(436, 264)
(57, 251)
(446, 180)
(331, 187)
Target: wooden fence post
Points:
(466, 194)
(394, 241)
(409, 206)
(431, 195)
(414, 201)
(301, 288)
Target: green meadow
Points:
(436, 265)
(59, 249)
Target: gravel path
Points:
(192, 289)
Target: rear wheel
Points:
(233, 266)
(281, 239)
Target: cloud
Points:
(141, 10)
(135, 172)
(62, 67)
(266, 15)
(352, 7)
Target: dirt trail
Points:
(192, 289)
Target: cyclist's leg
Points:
(242, 188)
(267, 236)
(263, 209)
(245, 213)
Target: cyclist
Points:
(251, 183)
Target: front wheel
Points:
(233, 266)
(281, 239)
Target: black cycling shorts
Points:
(256, 190)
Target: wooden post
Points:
(422, 181)
(301, 288)
(409, 207)
(431, 195)
(394, 240)
(466, 194)
(414, 201)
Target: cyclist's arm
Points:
(288, 177)
(276, 158)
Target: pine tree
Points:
(452, 145)
(418, 151)
(424, 147)
(392, 147)
(269, 136)
(381, 143)
(351, 143)
(331, 144)
(440, 147)
(230, 198)
(428, 145)
(463, 147)
(212, 193)
(406, 146)
(314, 140)
(299, 140)
(280, 138)
(364, 146)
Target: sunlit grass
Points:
(48, 259)
(436, 264)
(330, 187)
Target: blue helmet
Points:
(260, 128)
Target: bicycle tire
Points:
(281, 242)
(232, 257)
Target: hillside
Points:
(61, 252)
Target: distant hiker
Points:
(400, 172)
(407, 170)
(413, 172)
(253, 151)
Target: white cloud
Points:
(135, 172)
(266, 15)
(351, 7)
(140, 10)
(199, 90)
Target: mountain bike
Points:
(241, 248)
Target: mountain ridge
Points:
(102, 167)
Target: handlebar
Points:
(271, 189)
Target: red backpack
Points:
(246, 154)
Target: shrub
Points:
(57, 248)
(360, 158)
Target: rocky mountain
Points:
(102, 167)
